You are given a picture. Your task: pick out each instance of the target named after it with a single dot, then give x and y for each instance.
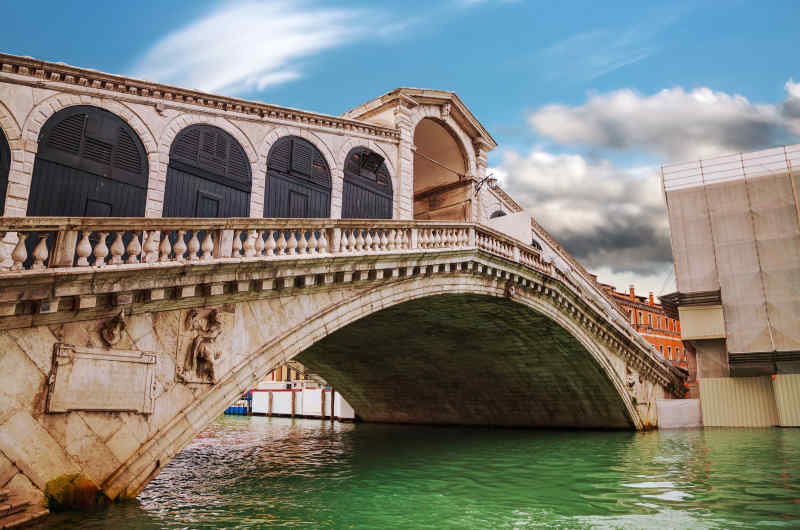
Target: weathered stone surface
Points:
(26, 443)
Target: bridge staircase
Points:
(15, 511)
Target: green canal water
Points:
(272, 472)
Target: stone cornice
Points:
(412, 97)
(42, 73)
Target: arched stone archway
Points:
(559, 373)
(442, 185)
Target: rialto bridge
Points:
(164, 250)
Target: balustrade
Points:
(99, 243)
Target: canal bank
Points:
(262, 472)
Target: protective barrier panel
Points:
(787, 398)
(735, 223)
(679, 413)
(738, 402)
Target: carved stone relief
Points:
(112, 330)
(201, 345)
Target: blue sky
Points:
(584, 98)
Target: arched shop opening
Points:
(208, 175)
(367, 191)
(442, 190)
(298, 180)
(5, 166)
(90, 163)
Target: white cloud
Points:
(250, 44)
(586, 56)
(609, 218)
(672, 123)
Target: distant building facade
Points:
(652, 322)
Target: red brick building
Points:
(651, 321)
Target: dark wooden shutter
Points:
(367, 191)
(90, 163)
(208, 175)
(5, 166)
(298, 180)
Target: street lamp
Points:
(488, 178)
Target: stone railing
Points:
(36, 244)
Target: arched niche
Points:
(5, 166)
(298, 180)
(208, 175)
(90, 163)
(367, 190)
(442, 189)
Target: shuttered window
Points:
(298, 180)
(367, 192)
(208, 175)
(96, 141)
(89, 163)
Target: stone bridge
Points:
(119, 345)
(194, 270)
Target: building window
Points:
(640, 317)
(661, 348)
(650, 320)
(669, 352)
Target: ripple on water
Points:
(264, 472)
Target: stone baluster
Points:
(180, 247)
(302, 243)
(384, 246)
(237, 243)
(4, 255)
(359, 246)
(368, 242)
(250, 244)
(313, 242)
(151, 247)
(291, 245)
(208, 246)
(281, 243)
(194, 246)
(117, 248)
(165, 248)
(84, 249)
(423, 238)
(391, 240)
(101, 250)
(20, 253)
(259, 243)
(134, 248)
(40, 253)
(323, 241)
(269, 244)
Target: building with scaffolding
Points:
(735, 231)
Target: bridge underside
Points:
(467, 359)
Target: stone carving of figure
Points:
(204, 353)
(112, 330)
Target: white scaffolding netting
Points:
(735, 224)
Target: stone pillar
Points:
(481, 164)
(404, 195)
(712, 358)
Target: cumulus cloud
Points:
(250, 45)
(673, 123)
(609, 218)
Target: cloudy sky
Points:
(585, 98)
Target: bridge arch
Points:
(290, 329)
(5, 166)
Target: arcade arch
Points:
(442, 188)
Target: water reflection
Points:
(262, 472)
